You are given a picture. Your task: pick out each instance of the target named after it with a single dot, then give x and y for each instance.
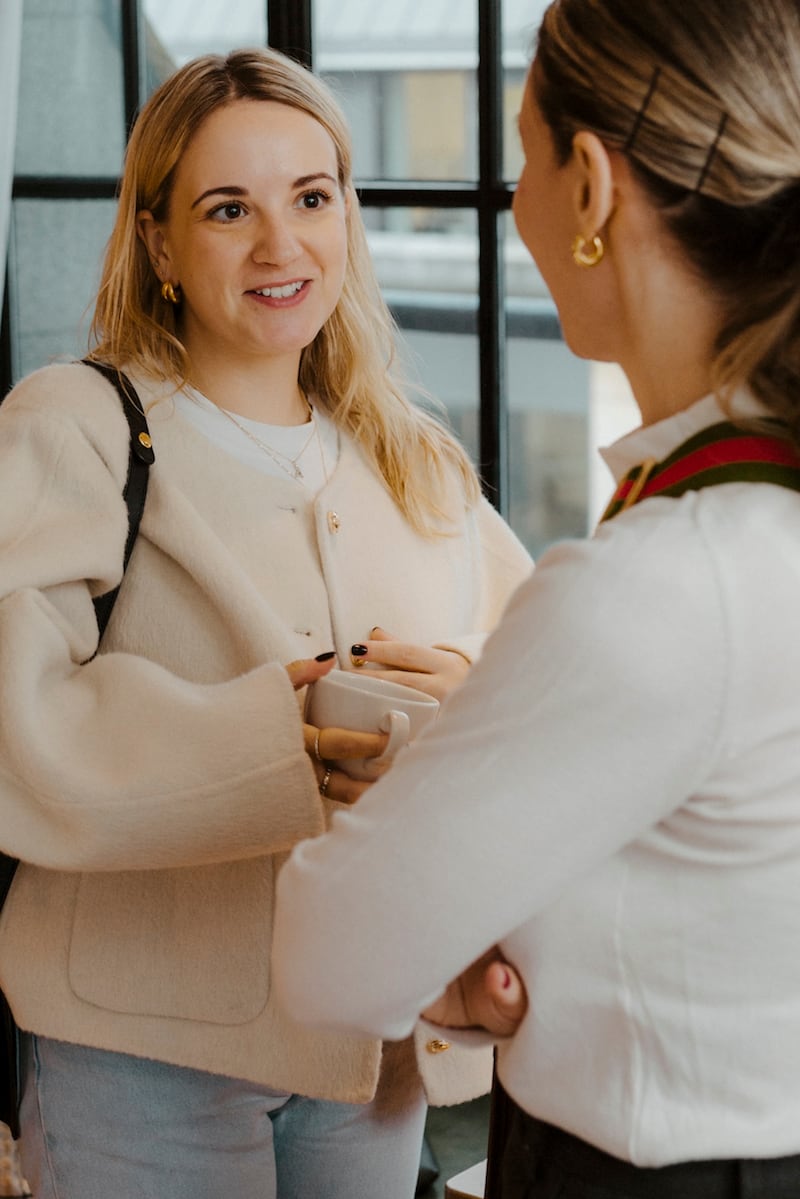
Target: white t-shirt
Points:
(313, 446)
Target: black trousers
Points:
(538, 1161)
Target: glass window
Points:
(520, 19)
(409, 80)
(182, 29)
(54, 289)
(406, 76)
(71, 118)
(430, 283)
(561, 409)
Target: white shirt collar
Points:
(660, 439)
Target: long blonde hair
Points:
(350, 366)
(704, 99)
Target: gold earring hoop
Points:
(587, 253)
(168, 293)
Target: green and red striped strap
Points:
(722, 453)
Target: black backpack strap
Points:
(140, 459)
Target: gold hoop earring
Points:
(168, 293)
(587, 255)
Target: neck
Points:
(662, 390)
(670, 347)
(267, 392)
(665, 320)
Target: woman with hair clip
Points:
(299, 506)
(618, 781)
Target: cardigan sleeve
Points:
(112, 762)
(503, 564)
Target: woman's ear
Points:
(594, 195)
(151, 234)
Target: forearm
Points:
(119, 764)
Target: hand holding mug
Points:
(428, 668)
(324, 745)
(364, 704)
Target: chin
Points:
(585, 343)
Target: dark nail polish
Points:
(326, 657)
(358, 651)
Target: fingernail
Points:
(357, 654)
(376, 628)
(326, 657)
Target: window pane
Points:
(520, 21)
(71, 109)
(561, 408)
(406, 77)
(51, 292)
(548, 411)
(430, 282)
(182, 29)
(548, 427)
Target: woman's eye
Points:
(315, 199)
(227, 212)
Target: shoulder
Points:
(497, 536)
(648, 570)
(70, 390)
(68, 401)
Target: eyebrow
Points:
(220, 191)
(233, 190)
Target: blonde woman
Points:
(636, 717)
(299, 506)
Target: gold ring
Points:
(326, 778)
(317, 754)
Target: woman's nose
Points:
(276, 242)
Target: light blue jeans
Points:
(99, 1125)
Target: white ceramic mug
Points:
(350, 699)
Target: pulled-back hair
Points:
(350, 365)
(704, 99)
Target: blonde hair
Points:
(350, 366)
(704, 99)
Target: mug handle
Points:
(398, 726)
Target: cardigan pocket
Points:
(188, 944)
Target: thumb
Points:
(308, 670)
(505, 992)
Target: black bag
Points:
(140, 458)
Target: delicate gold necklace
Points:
(289, 465)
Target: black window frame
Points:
(290, 29)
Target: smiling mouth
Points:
(280, 293)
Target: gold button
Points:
(145, 440)
(437, 1046)
(334, 524)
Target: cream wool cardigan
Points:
(152, 791)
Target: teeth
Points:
(279, 293)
